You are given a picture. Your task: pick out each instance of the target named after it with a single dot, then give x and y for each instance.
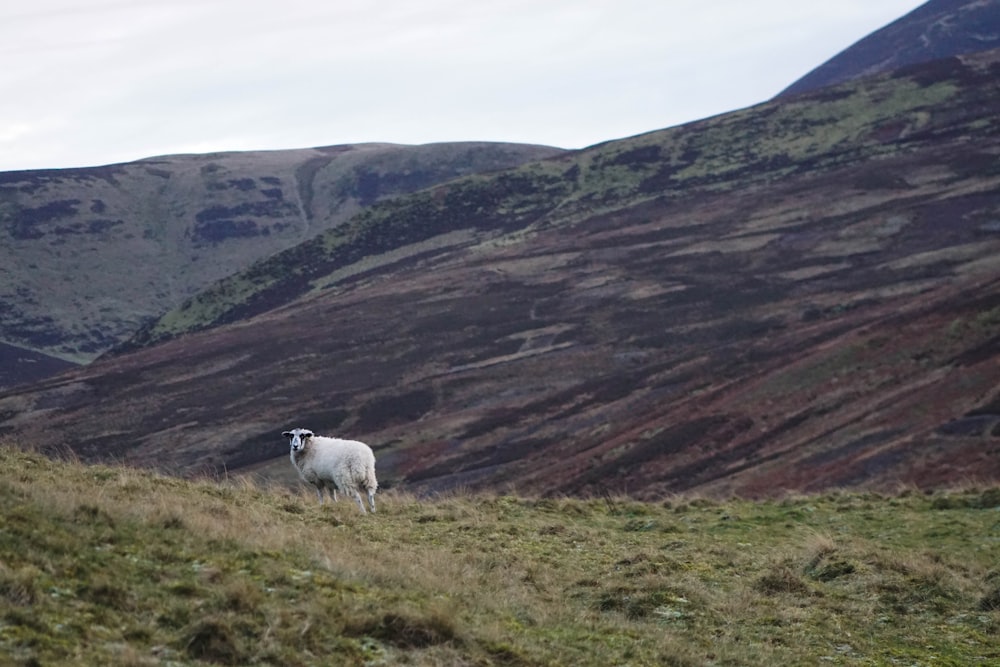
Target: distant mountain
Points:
(935, 30)
(89, 255)
(800, 295)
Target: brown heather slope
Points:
(801, 295)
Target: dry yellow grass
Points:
(114, 565)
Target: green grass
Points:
(112, 565)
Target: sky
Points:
(94, 82)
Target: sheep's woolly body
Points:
(335, 464)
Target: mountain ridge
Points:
(936, 29)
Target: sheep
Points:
(334, 464)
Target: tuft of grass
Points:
(112, 565)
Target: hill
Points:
(89, 255)
(21, 366)
(937, 29)
(112, 565)
(800, 295)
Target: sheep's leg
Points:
(319, 492)
(371, 500)
(357, 497)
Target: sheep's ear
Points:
(286, 434)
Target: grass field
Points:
(113, 565)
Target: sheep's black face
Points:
(298, 438)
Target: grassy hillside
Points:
(110, 565)
(88, 255)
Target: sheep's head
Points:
(298, 438)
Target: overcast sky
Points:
(92, 82)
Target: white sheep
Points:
(332, 463)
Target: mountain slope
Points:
(88, 255)
(736, 151)
(935, 30)
(21, 366)
(800, 295)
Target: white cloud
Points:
(90, 82)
